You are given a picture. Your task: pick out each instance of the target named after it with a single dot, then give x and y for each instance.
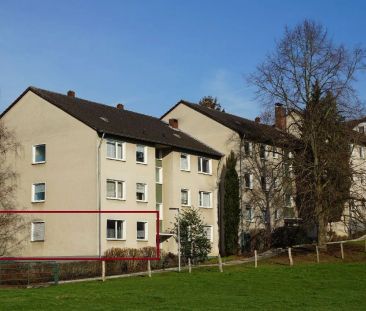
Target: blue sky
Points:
(150, 54)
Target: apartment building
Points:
(78, 155)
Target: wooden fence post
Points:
(290, 256)
(189, 265)
(220, 263)
(149, 268)
(317, 253)
(255, 259)
(103, 271)
(342, 252)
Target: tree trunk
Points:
(322, 232)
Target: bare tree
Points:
(305, 62)
(11, 225)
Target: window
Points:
(204, 165)
(159, 207)
(116, 150)
(274, 152)
(262, 152)
(362, 153)
(205, 199)
(141, 154)
(209, 232)
(288, 200)
(115, 189)
(141, 230)
(37, 231)
(185, 197)
(265, 182)
(265, 215)
(38, 192)
(247, 148)
(249, 215)
(141, 192)
(361, 129)
(115, 229)
(248, 180)
(39, 154)
(159, 175)
(184, 162)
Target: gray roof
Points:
(122, 123)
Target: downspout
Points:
(99, 199)
(241, 190)
(219, 194)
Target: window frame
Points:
(123, 198)
(250, 185)
(34, 192)
(34, 154)
(145, 154)
(211, 233)
(188, 197)
(32, 230)
(123, 231)
(249, 207)
(188, 162)
(145, 193)
(146, 230)
(199, 198)
(200, 166)
(116, 143)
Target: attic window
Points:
(176, 135)
(104, 119)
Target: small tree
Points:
(193, 237)
(210, 102)
(231, 206)
(11, 225)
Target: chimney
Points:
(71, 93)
(120, 106)
(173, 123)
(257, 120)
(280, 117)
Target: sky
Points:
(150, 54)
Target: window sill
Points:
(41, 201)
(203, 173)
(115, 199)
(186, 205)
(35, 241)
(142, 240)
(36, 163)
(159, 183)
(143, 163)
(206, 207)
(141, 201)
(115, 159)
(109, 239)
(183, 170)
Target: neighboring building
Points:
(81, 155)
(226, 132)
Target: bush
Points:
(289, 235)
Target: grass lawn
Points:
(327, 286)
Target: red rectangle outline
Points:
(101, 258)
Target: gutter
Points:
(99, 199)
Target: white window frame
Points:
(145, 200)
(200, 192)
(34, 154)
(200, 161)
(32, 230)
(250, 148)
(362, 152)
(116, 185)
(189, 197)
(274, 152)
(160, 174)
(146, 238)
(33, 192)
(188, 162)
(249, 207)
(116, 143)
(160, 208)
(250, 186)
(145, 154)
(123, 238)
(211, 229)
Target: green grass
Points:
(331, 286)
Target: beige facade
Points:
(79, 174)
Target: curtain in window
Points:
(205, 199)
(184, 197)
(38, 230)
(111, 150)
(40, 153)
(140, 153)
(140, 191)
(184, 162)
(120, 190)
(111, 229)
(111, 189)
(140, 230)
(39, 192)
(119, 151)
